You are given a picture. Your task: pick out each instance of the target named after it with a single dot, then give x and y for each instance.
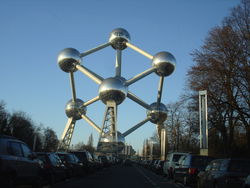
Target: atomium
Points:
(75, 109)
(157, 113)
(108, 145)
(118, 37)
(113, 91)
(164, 62)
(68, 58)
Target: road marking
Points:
(147, 178)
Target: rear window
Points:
(176, 157)
(200, 161)
(70, 158)
(81, 156)
(239, 166)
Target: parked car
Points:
(246, 184)
(104, 160)
(224, 173)
(86, 159)
(189, 167)
(74, 166)
(18, 164)
(151, 164)
(54, 170)
(97, 162)
(159, 167)
(171, 161)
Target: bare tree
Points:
(223, 70)
(50, 140)
(4, 119)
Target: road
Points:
(122, 177)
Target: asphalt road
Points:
(120, 177)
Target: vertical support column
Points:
(203, 122)
(145, 149)
(164, 144)
(151, 149)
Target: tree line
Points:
(37, 137)
(21, 126)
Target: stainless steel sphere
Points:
(113, 89)
(68, 58)
(75, 109)
(118, 37)
(157, 114)
(164, 62)
(108, 144)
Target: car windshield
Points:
(239, 166)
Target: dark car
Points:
(86, 159)
(104, 160)
(159, 167)
(74, 166)
(54, 170)
(230, 173)
(97, 162)
(189, 167)
(18, 165)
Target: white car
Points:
(170, 163)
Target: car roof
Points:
(8, 137)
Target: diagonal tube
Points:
(95, 49)
(89, 121)
(91, 101)
(136, 99)
(72, 84)
(118, 63)
(135, 127)
(95, 77)
(160, 90)
(139, 76)
(139, 50)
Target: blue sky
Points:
(33, 32)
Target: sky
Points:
(33, 32)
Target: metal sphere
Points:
(113, 89)
(108, 144)
(118, 37)
(164, 62)
(68, 58)
(157, 114)
(75, 109)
